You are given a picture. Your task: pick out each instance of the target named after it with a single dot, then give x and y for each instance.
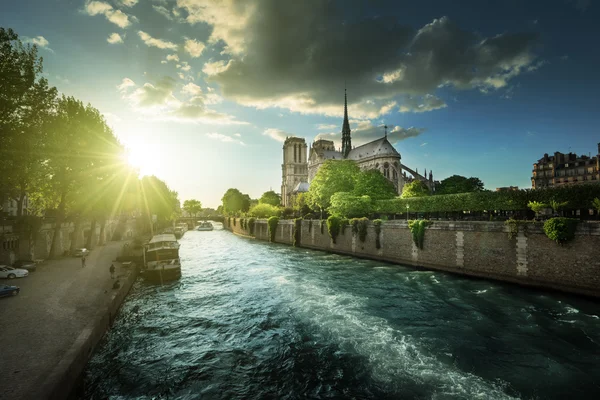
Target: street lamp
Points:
(407, 213)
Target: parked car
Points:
(29, 265)
(6, 290)
(81, 252)
(10, 272)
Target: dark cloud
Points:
(297, 55)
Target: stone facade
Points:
(565, 169)
(480, 249)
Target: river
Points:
(254, 320)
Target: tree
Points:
(537, 206)
(333, 176)
(372, 183)
(235, 202)
(271, 198)
(192, 207)
(596, 205)
(264, 210)
(301, 204)
(557, 205)
(459, 184)
(26, 102)
(415, 188)
(348, 205)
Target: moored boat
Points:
(161, 259)
(205, 226)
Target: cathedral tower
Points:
(294, 168)
(346, 140)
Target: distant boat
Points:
(161, 259)
(180, 229)
(205, 226)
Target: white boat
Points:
(205, 226)
(161, 258)
(180, 229)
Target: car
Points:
(29, 265)
(10, 272)
(6, 290)
(81, 252)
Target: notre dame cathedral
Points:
(298, 170)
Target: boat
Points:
(205, 226)
(180, 229)
(161, 259)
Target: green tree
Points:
(372, 183)
(301, 204)
(349, 206)
(415, 188)
(596, 206)
(192, 207)
(271, 198)
(26, 102)
(235, 202)
(264, 210)
(333, 176)
(459, 184)
(537, 206)
(557, 205)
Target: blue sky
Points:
(204, 92)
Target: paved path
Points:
(40, 325)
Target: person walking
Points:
(112, 271)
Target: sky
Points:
(203, 92)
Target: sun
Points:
(144, 158)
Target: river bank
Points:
(56, 321)
(478, 249)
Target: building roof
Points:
(331, 155)
(301, 187)
(379, 147)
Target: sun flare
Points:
(143, 158)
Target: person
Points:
(112, 271)
(82, 261)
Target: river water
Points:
(254, 320)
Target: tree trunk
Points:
(58, 222)
(90, 238)
(102, 233)
(76, 227)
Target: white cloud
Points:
(193, 47)
(114, 38)
(126, 83)
(192, 88)
(39, 41)
(363, 131)
(117, 17)
(225, 138)
(214, 68)
(326, 127)
(153, 42)
(172, 57)
(424, 144)
(129, 3)
(184, 66)
(277, 134)
(237, 135)
(422, 104)
(163, 11)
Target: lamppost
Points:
(407, 213)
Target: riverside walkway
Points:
(61, 309)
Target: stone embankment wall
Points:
(481, 249)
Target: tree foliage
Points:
(192, 206)
(235, 202)
(415, 188)
(333, 176)
(264, 211)
(271, 198)
(459, 184)
(372, 183)
(347, 205)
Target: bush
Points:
(251, 222)
(359, 226)
(560, 229)
(272, 224)
(417, 228)
(377, 225)
(347, 205)
(333, 226)
(514, 225)
(264, 210)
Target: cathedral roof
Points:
(332, 155)
(301, 187)
(380, 147)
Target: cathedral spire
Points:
(346, 141)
